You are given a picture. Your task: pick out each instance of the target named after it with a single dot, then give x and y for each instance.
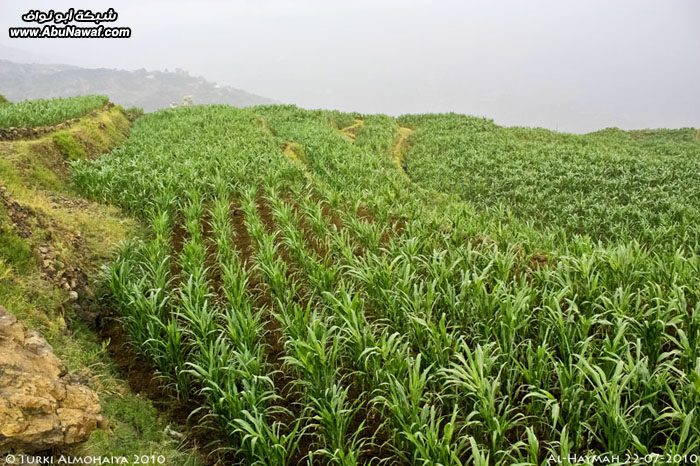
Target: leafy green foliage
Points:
(610, 184)
(331, 308)
(42, 112)
(3, 100)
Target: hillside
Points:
(346, 288)
(354, 287)
(150, 90)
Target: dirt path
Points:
(350, 132)
(400, 148)
(294, 152)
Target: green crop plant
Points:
(45, 112)
(518, 294)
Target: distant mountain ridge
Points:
(150, 90)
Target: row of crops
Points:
(46, 112)
(324, 308)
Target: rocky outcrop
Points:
(41, 407)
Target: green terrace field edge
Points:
(47, 112)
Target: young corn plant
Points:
(307, 344)
(576, 279)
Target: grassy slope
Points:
(39, 207)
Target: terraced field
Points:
(42, 112)
(330, 297)
(609, 185)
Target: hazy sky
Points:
(572, 65)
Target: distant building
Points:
(187, 101)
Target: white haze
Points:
(569, 65)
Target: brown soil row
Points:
(368, 418)
(372, 428)
(291, 398)
(211, 261)
(315, 244)
(177, 242)
(273, 337)
(141, 376)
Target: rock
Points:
(73, 295)
(43, 249)
(103, 424)
(41, 407)
(174, 434)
